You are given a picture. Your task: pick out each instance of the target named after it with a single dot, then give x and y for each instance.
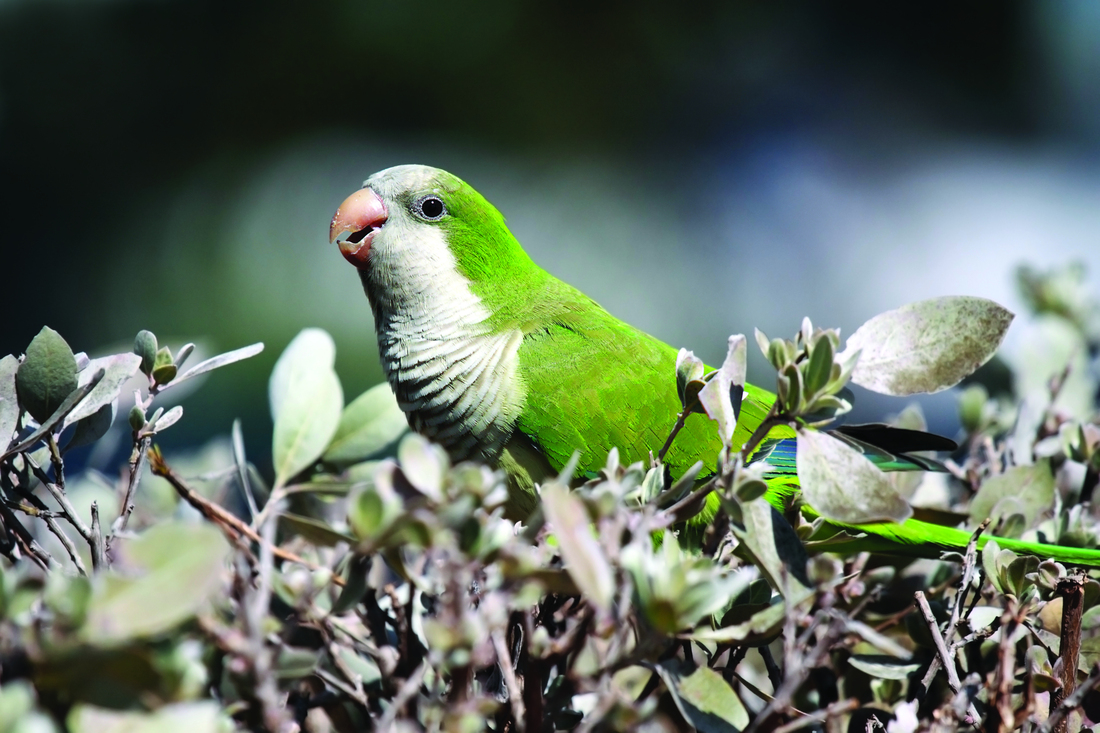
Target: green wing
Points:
(594, 383)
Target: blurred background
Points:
(173, 164)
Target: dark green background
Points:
(700, 168)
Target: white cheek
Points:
(417, 282)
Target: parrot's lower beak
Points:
(363, 213)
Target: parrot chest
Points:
(459, 390)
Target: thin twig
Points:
(137, 463)
(99, 552)
(229, 523)
(970, 561)
(58, 493)
(515, 695)
(405, 693)
(70, 547)
(946, 659)
(27, 544)
(680, 419)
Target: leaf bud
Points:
(145, 346)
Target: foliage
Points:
(374, 584)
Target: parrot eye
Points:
(430, 208)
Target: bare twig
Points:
(405, 693)
(680, 419)
(58, 493)
(945, 656)
(970, 562)
(515, 695)
(1071, 591)
(137, 463)
(70, 547)
(230, 524)
(99, 552)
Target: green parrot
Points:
(498, 361)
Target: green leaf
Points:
(584, 557)
(927, 346)
(145, 348)
(355, 584)
(93, 427)
(117, 370)
(706, 701)
(361, 666)
(1026, 490)
(182, 717)
(9, 401)
(763, 625)
(314, 530)
(820, 367)
(181, 569)
(689, 368)
(374, 507)
(47, 375)
(882, 666)
(842, 485)
(370, 426)
(16, 702)
(775, 547)
(306, 401)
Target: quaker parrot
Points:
(498, 361)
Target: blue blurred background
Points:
(173, 165)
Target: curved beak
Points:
(362, 214)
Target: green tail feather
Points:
(912, 538)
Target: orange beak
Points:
(362, 214)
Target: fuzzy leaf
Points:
(93, 427)
(927, 346)
(584, 558)
(1025, 490)
(370, 425)
(841, 484)
(689, 368)
(220, 360)
(47, 375)
(9, 401)
(117, 370)
(721, 396)
(314, 530)
(706, 701)
(882, 666)
(168, 419)
(775, 547)
(181, 717)
(423, 464)
(306, 401)
(181, 569)
(145, 348)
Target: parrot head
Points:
(418, 233)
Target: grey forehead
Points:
(401, 178)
